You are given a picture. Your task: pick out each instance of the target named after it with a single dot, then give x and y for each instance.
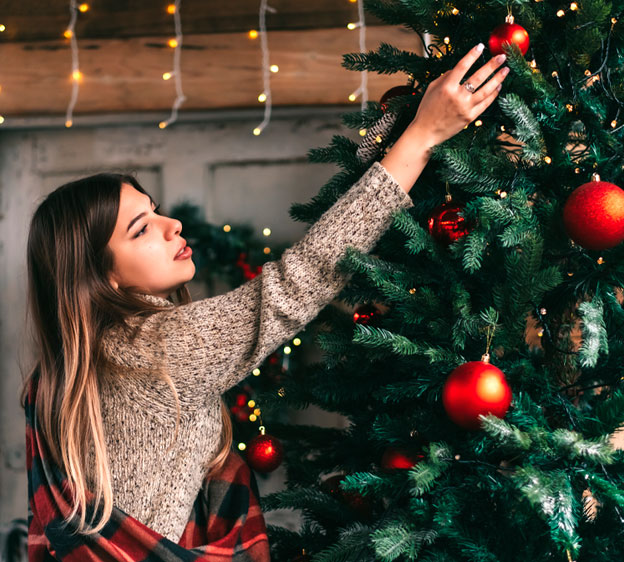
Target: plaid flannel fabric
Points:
(226, 522)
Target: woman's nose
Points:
(174, 227)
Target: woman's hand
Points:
(448, 106)
(445, 109)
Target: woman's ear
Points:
(113, 281)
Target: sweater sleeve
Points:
(210, 345)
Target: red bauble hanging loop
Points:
(593, 215)
(473, 389)
(397, 458)
(446, 223)
(264, 452)
(508, 32)
(406, 90)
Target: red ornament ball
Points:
(249, 272)
(473, 389)
(446, 224)
(395, 92)
(264, 453)
(240, 409)
(360, 504)
(593, 215)
(366, 314)
(396, 458)
(508, 33)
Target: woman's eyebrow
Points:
(139, 216)
(135, 219)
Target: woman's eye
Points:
(141, 232)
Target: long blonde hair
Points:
(72, 304)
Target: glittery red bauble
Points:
(366, 314)
(264, 453)
(594, 215)
(394, 92)
(396, 458)
(446, 224)
(508, 33)
(473, 389)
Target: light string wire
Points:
(266, 72)
(177, 74)
(75, 75)
(363, 88)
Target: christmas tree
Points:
(448, 456)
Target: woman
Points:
(125, 396)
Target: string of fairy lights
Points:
(267, 67)
(176, 44)
(76, 75)
(362, 91)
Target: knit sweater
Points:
(210, 345)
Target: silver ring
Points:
(469, 87)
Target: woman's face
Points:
(146, 248)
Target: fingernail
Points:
(480, 47)
(498, 88)
(505, 71)
(500, 59)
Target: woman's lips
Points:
(185, 254)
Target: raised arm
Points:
(209, 345)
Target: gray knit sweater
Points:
(210, 345)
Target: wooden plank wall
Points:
(122, 66)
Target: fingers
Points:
(491, 86)
(463, 66)
(485, 103)
(480, 76)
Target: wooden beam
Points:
(218, 71)
(46, 20)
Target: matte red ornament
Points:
(473, 389)
(240, 409)
(264, 452)
(446, 224)
(366, 314)
(249, 272)
(394, 92)
(593, 215)
(397, 458)
(359, 503)
(508, 33)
